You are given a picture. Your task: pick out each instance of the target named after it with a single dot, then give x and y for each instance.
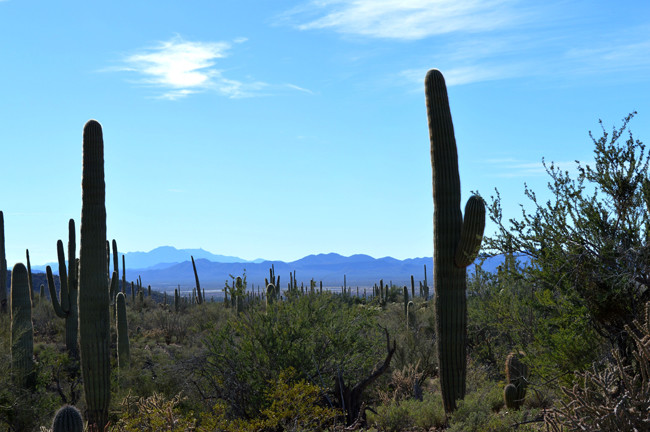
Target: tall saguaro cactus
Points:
(455, 242)
(67, 307)
(123, 353)
(22, 329)
(198, 285)
(3, 267)
(94, 317)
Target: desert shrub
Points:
(152, 413)
(319, 336)
(409, 414)
(292, 405)
(415, 358)
(173, 326)
(616, 397)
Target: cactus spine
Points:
(123, 353)
(94, 316)
(67, 307)
(3, 267)
(455, 242)
(22, 329)
(67, 419)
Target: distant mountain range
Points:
(162, 257)
(166, 268)
(359, 270)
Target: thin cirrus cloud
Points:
(402, 19)
(179, 68)
(485, 40)
(511, 167)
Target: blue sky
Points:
(279, 129)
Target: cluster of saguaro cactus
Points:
(22, 329)
(273, 281)
(66, 308)
(517, 379)
(67, 419)
(456, 242)
(94, 316)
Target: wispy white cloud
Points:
(485, 40)
(403, 19)
(300, 89)
(512, 167)
(465, 74)
(180, 68)
(611, 57)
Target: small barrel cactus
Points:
(510, 396)
(67, 419)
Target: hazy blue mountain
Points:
(165, 256)
(159, 258)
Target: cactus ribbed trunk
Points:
(198, 285)
(123, 353)
(3, 267)
(72, 320)
(67, 307)
(449, 273)
(22, 329)
(29, 276)
(94, 319)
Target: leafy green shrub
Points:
(410, 413)
(319, 336)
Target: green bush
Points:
(318, 336)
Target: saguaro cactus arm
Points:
(55, 301)
(471, 233)
(63, 278)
